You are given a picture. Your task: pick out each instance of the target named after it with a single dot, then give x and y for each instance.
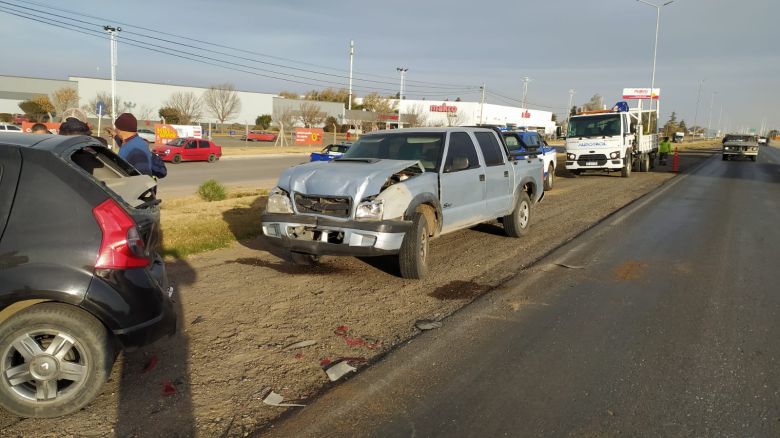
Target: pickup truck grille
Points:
(325, 205)
(600, 159)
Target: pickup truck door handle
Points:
(506, 174)
(482, 177)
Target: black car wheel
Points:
(176, 159)
(212, 158)
(54, 360)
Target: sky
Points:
(449, 48)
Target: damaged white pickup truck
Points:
(395, 190)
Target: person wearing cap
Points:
(131, 147)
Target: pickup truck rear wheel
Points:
(548, 181)
(302, 259)
(516, 223)
(413, 256)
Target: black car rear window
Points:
(102, 163)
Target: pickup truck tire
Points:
(548, 181)
(413, 255)
(176, 159)
(516, 223)
(67, 357)
(625, 172)
(302, 259)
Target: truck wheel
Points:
(576, 172)
(302, 259)
(212, 158)
(753, 157)
(725, 157)
(652, 161)
(516, 223)
(548, 181)
(625, 172)
(54, 360)
(413, 256)
(176, 159)
(644, 163)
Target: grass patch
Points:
(211, 190)
(192, 225)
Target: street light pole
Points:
(112, 31)
(482, 104)
(696, 115)
(351, 57)
(403, 71)
(655, 53)
(526, 79)
(572, 92)
(709, 118)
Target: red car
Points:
(189, 149)
(260, 136)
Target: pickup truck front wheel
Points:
(548, 181)
(413, 256)
(516, 223)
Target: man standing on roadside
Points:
(664, 149)
(132, 148)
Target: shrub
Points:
(212, 190)
(6, 117)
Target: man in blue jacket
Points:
(132, 147)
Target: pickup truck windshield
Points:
(427, 148)
(595, 126)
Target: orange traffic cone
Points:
(676, 161)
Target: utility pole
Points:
(696, 117)
(720, 118)
(482, 104)
(112, 31)
(572, 92)
(709, 118)
(351, 57)
(526, 79)
(403, 71)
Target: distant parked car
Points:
(7, 127)
(330, 152)
(147, 135)
(189, 149)
(260, 136)
(80, 276)
(762, 141)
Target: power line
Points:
(181, 54)
(430, 84)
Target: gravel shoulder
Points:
(242, 307)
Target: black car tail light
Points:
(121, 246)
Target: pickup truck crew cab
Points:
(395, 190)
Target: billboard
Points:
(641, 93)
(308, 136)
(165, 133)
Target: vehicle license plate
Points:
(591, 163)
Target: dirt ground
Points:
(242, 308)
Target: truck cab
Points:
(611, 141)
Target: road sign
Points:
(100, 108)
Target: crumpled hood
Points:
(356, 179)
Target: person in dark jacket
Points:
(132, 147)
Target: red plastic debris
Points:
(341, 330)
(150, 365)
(168, 389)
(325, 362)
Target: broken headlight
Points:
(370, 210)
(279, 202)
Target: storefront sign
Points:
(641, 93)
(444, 108)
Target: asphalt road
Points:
(663, 320)
(247, 172)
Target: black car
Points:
(80, 277)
